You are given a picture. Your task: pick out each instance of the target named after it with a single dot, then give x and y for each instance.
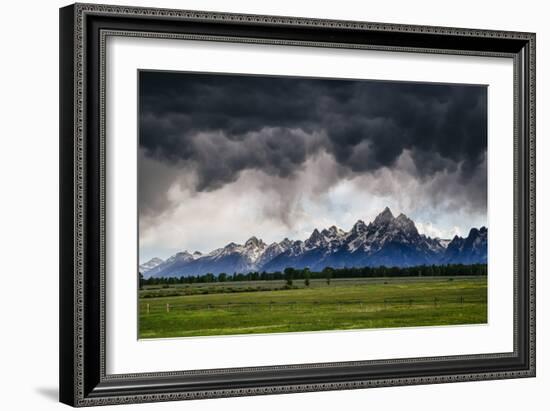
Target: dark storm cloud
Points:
(221, 125)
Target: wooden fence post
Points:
(167, 307)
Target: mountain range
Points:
(388, 240)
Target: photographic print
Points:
(242, 195)
(276, 204)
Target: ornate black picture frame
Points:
(83, 31)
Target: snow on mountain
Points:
(181, 256)
(254, 248)
(315, 240)
(149, 265)
(443, 242)
(272, 251)
(356, 237)
(388, 240)
(176, 260)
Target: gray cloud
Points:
(202, 131)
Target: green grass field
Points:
(265, 307)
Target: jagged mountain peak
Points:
(406, 224)
(316, 239)
(150, 264)
(384, 217)
(333, 232)
(359, 227)
(315, 236)
(285, 243)
(475, 232)
(254, 242)
(182, 256)
(388, 240)
(402, 217)
(468, 250)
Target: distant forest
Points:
(289, 274)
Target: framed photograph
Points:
(261, 204)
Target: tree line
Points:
(289, 274)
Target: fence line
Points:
(293, 305)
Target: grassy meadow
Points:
(248, 307)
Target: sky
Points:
(223, 157)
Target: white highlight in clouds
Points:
(430, 230)
(321, 194)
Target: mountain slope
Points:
(469, 250)
(149, 265)
(388, 240)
